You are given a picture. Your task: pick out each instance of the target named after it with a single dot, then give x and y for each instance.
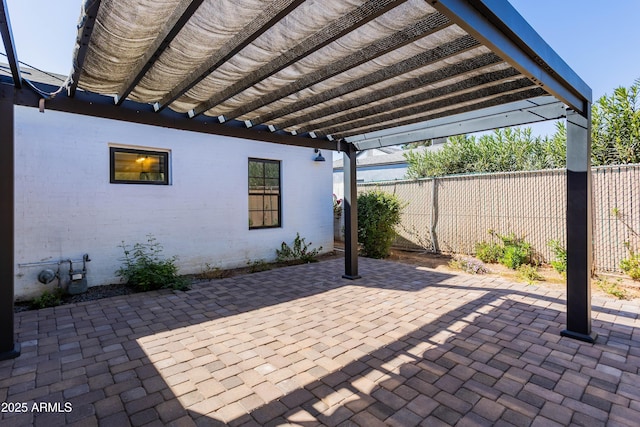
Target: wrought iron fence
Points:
(450, 214)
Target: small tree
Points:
(616, 127)
(378, 215)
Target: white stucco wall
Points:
(65, 205)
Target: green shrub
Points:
(145, 269)
(631, 265)
(48, 299)
(378, 215)
(489, 252)
(529, 273)
(516, 250)
(560, 263)
(299, 253)
(516, 255)
(512, 252)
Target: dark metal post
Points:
(350, 213)
(8, 347)
(579, 227)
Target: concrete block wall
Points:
(65, 205)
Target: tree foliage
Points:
(615, 128)
(378, 215)
(615, 140)
(504, 150)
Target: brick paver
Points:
(402, 346)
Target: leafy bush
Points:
(560, 263)
(512, 252)
(48, 299)
(468, 265)
(145, 269)
(378, 215)
(299, 253)
(529, 273)
(489, 252)
(631, 265)
(516, 255)
(516, 250)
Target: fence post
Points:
(434, 213)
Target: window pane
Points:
(255, 219)
(256, 169)
(264, 193)
(256, 203)
(267, 218)
(272, 170)
(256, 183)
(272, 184)
(275, 219)
(273, 202)
(133, 166)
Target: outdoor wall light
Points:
(319, 157)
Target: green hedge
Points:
(378, 215)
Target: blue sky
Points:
(598, 40)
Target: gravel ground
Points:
(93, 293)
(99, 292)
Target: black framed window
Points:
(134, 166)
(264, 193)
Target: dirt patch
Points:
(612, 286)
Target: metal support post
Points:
(579, 227)
(8, 347)
(350, 214)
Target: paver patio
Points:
(402, 346)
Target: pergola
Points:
(342, 75)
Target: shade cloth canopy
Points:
(332, 69)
